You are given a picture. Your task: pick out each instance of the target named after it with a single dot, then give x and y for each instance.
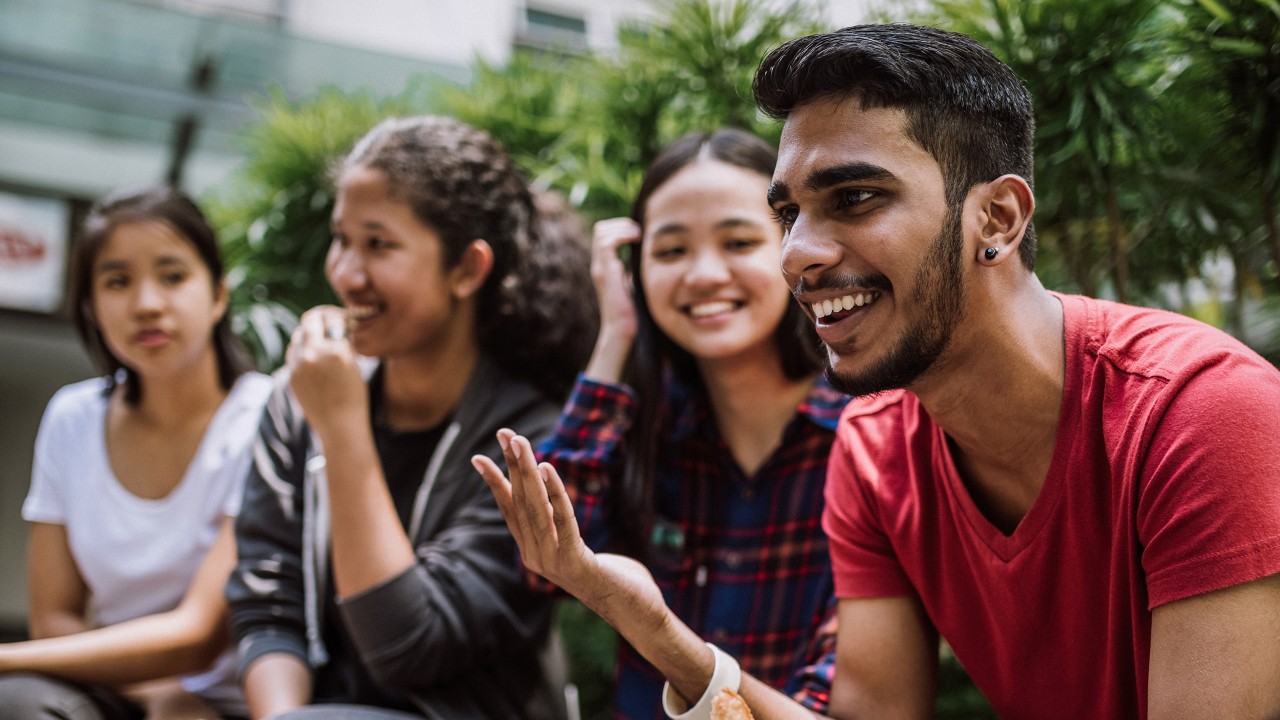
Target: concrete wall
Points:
(38, 355)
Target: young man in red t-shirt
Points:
(1082, 497)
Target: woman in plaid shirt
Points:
(708, 462)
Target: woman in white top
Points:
(136, 479)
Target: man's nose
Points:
(807, 250)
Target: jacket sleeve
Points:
(465, 604)
(587, 448)
(265, 590)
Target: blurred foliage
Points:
(273, 215)
(591, 647)
(958, 699)
(589, 124)
(1231, 119)
(1156, 146)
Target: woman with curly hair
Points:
(376, 577)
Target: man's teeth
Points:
(848, 302)
(710, 308)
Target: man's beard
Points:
(938, 305)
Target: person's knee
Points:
(25, 696)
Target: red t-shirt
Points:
(1164, 483)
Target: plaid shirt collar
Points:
(691, 412)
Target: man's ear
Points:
(472, 269)
(1004, 208)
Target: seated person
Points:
(1081, 497)
(136, 480)
(708, 464)
(376, 577)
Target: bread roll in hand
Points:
(729, 705)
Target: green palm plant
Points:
(588, 125)
(1236, 46)
(1228, 122)
(1093, 70)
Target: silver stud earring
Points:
(991, 253)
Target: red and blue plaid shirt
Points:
(742, 560)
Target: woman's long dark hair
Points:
(655, 357)
(538, 316)
(164, 204)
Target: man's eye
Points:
(786, 217)
(852, 198)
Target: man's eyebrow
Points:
(778, 191)
(840, 174)
(831, 177)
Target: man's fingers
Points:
(533, 503)
(561, 506)
(498, 484)
(528, 497)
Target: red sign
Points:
(19, 248)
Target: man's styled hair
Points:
(964, 106)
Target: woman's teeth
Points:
(848, 302)
(360, 312)
(711, 308)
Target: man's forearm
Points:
(681, 656)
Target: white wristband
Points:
(726, 675)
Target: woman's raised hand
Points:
(540, 516)
(323, 373)
(613, 290)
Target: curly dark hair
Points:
(540, 320)
(963, 106)
(155, 203)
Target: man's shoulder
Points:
(1152, 343)
(876, 423)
